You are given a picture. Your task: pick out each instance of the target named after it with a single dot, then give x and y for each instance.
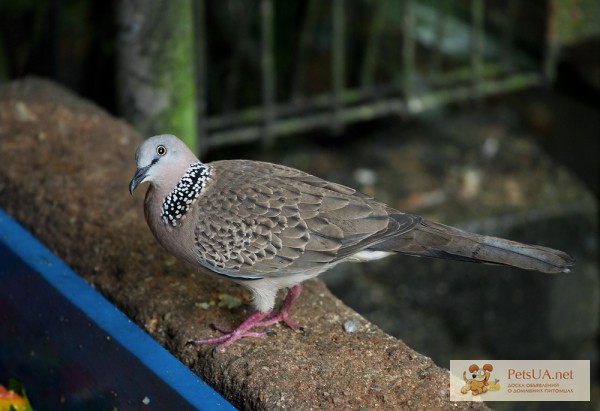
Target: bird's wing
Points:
(264, 220)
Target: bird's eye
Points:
(161, 150)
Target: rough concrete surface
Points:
(65, 167)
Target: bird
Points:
(269, 227)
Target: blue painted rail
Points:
(72, 349)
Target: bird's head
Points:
(161, 161)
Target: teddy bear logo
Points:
(479, 381)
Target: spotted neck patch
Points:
(187, 190)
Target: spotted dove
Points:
(267, 227)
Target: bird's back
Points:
(260, 219)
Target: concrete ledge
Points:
(65, 169)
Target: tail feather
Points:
(437, 240)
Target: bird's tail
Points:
(431, 239)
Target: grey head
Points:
(161, 161)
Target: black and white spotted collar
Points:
(185, 193)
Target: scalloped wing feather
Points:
(265, 220)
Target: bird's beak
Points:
(139, 176)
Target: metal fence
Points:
(382, 58)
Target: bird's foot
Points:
(258, 334)
(231, 336)
(257, 319)
(284, 315)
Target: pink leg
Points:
(284, 314)
(257, 319)
(243, 330)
